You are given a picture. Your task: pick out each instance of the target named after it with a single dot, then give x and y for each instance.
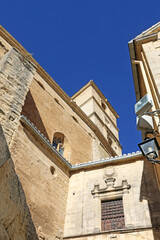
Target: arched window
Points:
(58, 142)
(61, 143)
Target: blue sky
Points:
(79, 40)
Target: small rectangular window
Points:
(112, 215)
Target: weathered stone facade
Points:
(15, 217)
(65, 153)
(16, 74)
(145, 61)
(15, 78)
(128, 181)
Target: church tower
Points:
(95, 105)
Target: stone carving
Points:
(109, 172)
(110, 182)
(123, 188)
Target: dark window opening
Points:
(109, 140)
(75, 119)
(103, 105)
(58, 141)
(62, 145)
(57, 101)
(52, 169)
(40, 84)
(112, 215)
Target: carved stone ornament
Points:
(109, 172)
(110, 187)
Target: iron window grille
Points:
(112, 215)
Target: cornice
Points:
(14, 43)
(27, 123)
(130, 157)
(149, 31)
(92, 97)
(94, 128)
(110, 132)
(135, 48)
(115, 231)
(91, 83)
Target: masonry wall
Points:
(84, 96)
(45, 183)
(91, 103)
(149, 82)
(152, 56)
(15, 218)
(42, 107)
(4, 47)
(50, 114)
(83, 216)
(90, 147)
(44, 179)
(16, 75)
(140, 235)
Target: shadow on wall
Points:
(31, 112)
(15, 217)
(150, 192)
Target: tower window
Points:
(112, 215)
(61, 143)
(103, 105)
(58, 141)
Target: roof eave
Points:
(86, 165)
(139, 40)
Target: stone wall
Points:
(96, 106)
(51, 114)
(15, 77)
(4, 47)
(140, 201)
(45, 183)
(132, 235)
(15, 218)
(152, 55)
(44, 179)
(147, 51)
(16, 74)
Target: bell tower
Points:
(95, 105)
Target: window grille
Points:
(112, 215)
